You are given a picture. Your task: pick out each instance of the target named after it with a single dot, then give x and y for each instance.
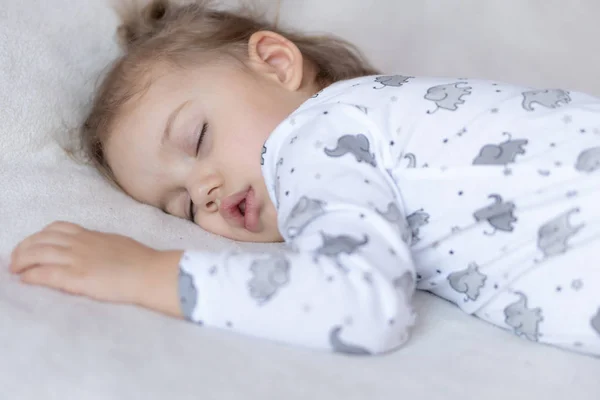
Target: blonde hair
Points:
(177, 34)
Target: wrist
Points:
(159, 291)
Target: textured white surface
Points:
(58, 347)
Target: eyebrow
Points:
(169, 126)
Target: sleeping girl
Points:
(483, 193)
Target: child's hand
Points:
(102, 266)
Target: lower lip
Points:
(252, 214)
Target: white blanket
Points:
(54, 346)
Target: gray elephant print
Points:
(588, 160)
(268, 276)
(596, 322)
(262, 155)
(394, 216)
(554, 235)
(334, 246)
(363, 109)
(499, 215)
(412, 160)
(406, 285)
(339, 346)
(416, 221)
(188, 294)
(392, 81)
(448, 97)
(501, 154)
(304, 212)
(469, 281)
(549, 98)
(523, 320)
(357, 145)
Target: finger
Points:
(57, 277)
(39, 254)
(50, 238)
(65, 227)
(46, 237)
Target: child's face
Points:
(153, 148)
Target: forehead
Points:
(133, 146)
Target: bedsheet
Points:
(54, 346)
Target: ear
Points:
(277, 57)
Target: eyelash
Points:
(200, 140)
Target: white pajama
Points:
(486, 194)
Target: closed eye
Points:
(192, 212)
(201, 138)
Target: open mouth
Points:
(242, 210)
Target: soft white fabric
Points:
(58, 347)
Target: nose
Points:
(205, 192)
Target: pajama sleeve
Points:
(345, 279)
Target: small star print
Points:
(392, 143)
(496, 286)
(445, 140)
(391, 322)
(559, 289)
(498, 91)
(362, 216)
(438, 271)
(494, 111)
(451, 252)
(367, 181)
(287, 193)
(229, 324)
(558, 164)
(572, 193)
(582, 131)
(292, 170)
(325, 112)
(460, 193)
(552, 144)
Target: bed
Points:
(53, 346)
